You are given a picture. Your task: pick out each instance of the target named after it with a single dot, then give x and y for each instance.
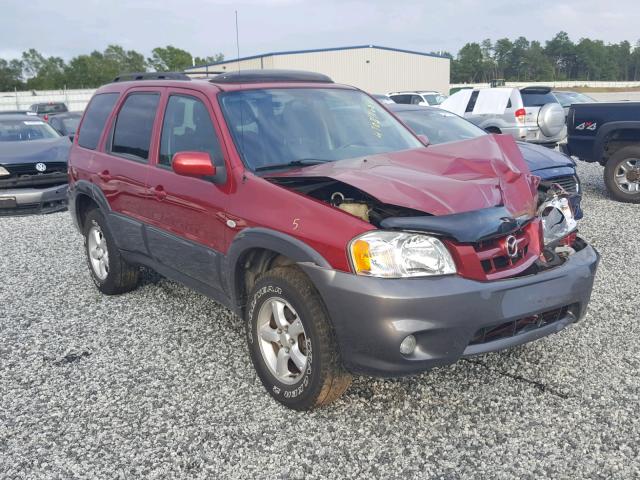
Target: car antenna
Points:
(237, 42)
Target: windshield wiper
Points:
(294, 163)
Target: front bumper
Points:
(24, 201)
(371, 316)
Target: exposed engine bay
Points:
(345, 197)
(554, 211)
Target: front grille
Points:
(21, 169)
(519, 326)
(26, 175)
(492, 253)
(568, 183)
(490, 260)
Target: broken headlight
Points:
(399, 254)
(557, 218)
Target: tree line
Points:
(34, 71)
(559, 59)
(519, 60)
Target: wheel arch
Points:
(256, 250)
(84, 197)
(613, 136)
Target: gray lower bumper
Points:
(21, 201)
(371, 316)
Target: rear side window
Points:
(95, 118)
(537, 99)
(472, 101)
(404, 99)
(132, 132)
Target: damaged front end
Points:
(481, 203)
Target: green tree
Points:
(43, 73)
(502, 52)
(170, 59)
(10, 75)
(218, 57)
(560, 51)
(469, 64)
(98, 68)
(535, 65)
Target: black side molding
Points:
(467, 227)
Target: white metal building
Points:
(369, 67)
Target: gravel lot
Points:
(158, 384)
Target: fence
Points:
(76, 100)
(560, 84)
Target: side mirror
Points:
(424, 139)
(193, 164)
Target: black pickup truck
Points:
(608, 133)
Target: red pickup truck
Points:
(346, 243)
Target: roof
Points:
(270, 76)
(403, 107)
(334, 49)
(20, 116)
(418, 92)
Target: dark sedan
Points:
(441, 126)
(66, 123)
(33, 166)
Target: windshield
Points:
(49, 108)
(281, 126)
(24, 130)
(568, 98)
(70, 125)
(434, 98)
(439, 126)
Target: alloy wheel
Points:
(283, 341)
(98, 252)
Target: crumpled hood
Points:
(33, 151)
(540, 158)
(441, 179)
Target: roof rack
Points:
(126, 77)
(267, 76)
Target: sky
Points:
(66, 28)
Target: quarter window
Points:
(472, 101)
(134, 125)
(404, 99)
(187, 127)
(97, 112)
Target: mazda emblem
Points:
(511, 245)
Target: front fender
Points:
(264, 238)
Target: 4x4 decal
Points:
(587, 126)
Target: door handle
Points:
(104, 175)
(160, 192)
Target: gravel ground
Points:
(157, 383)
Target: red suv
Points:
(345, 243)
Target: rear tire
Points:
(109, 271)
(622, 174)
(291, 342)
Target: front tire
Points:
(109, 271)
(291, 342)
(622, 174)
